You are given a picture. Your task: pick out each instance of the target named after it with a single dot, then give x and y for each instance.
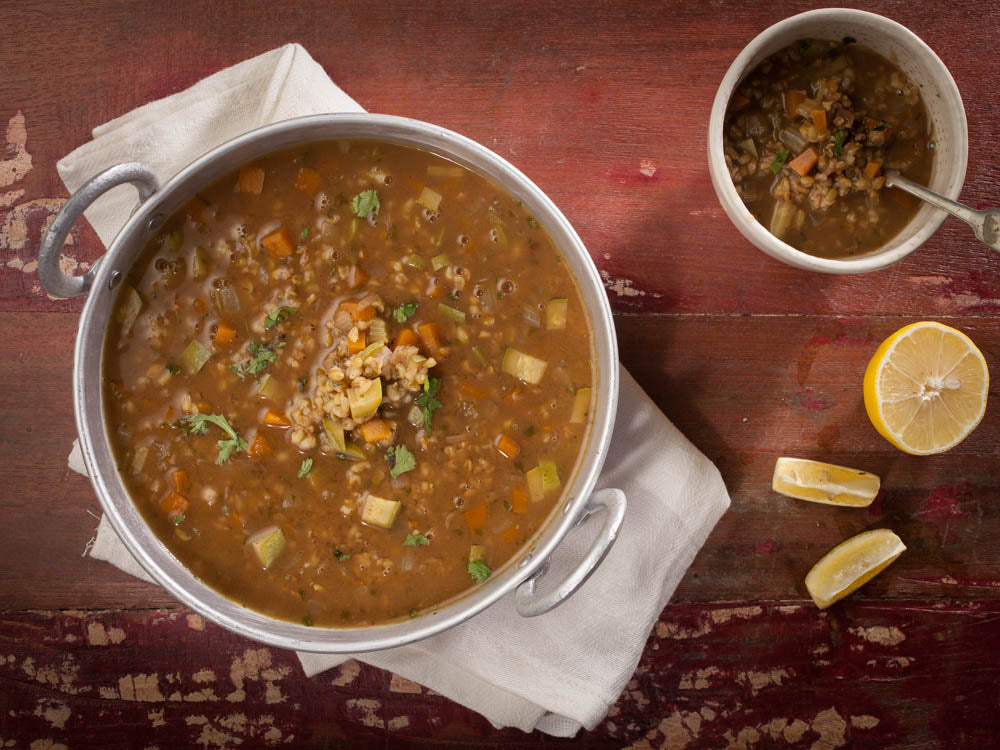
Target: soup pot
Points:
(156, 204)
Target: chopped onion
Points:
(532, 316)
(791, 138)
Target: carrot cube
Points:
(872, 169)
(174, 503)
(225, 334)
(804, 162)
(251, 180)
(519, 501)
(374, 430)
(179, 480)
(308, 180)
(507, 447)
(510, 534)
(260, 447)
(278, 243)
(476, 517)
(430, 335)
(358, 346)
(406, 337)
(273, 419)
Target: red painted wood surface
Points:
(750, 358)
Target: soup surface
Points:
(345, 384)
(808, 137)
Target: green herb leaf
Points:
(479, 570)
(402, 313)
(307, 621)
(341, 556)
(197, 424)
(306, 467)
(779, 161)
(400, 460)
(413, 612)
(261, 356)
(428, 402)
(302, 594)
(365, 203)
(301, 383)
(529, 430)
(838, 142)
(279, 315)
(304, 234)
(416, 540)
(177, 519)
(532, 223)
(173, 369)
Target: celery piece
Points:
(479, 356)
(363, 405)
(438, 170)
(377, 331)
(355, 224)
(550, 475)
(439, 261)
(267, 544)
(378, 511)
(476, 552)
(781, 219)
(429, 199)
(199, 263)
(535, 482)
(226, 300)
(139, 459)
(129, 307)
(415, 261)
(370, 349)
(555, 314)
(194, 357)
(524, 366)
(581, 406)
(451, 312)
(335, 431)
(352, 452)
(269, 388)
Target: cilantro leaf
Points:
(261, 356)
(177, 519)
(173, 369)
(306, 467)
(365, 203)
(479, 570)
(416, 540)
(779, 160)
(838, 142)
(400, 460)
(279, 315)
(405, 311)
(197, 424)
(428, 401)
(304, 234)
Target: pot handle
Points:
(613, 502)
(54, 281)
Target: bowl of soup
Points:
(344, 381)
(808, 119)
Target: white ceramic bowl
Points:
(918, 62)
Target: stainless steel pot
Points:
(156, 203)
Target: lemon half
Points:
(925, 388)
(851, 564)
(819, 482)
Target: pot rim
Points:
(121, 511)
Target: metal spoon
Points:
(985, 223)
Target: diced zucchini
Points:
(352, 452)
(429, 199)
(416, 416)
(335, 431)
(535, 489)
(267, 544)
(523, 366)
(479, 356)
(438, 170)
(476, 552)
(415, 261)
(200, 266)
(451, 312)
(581, 406)
(377, 331)
(378, 511)
(363, 405)
(555, 314)
(550, 475)
(439, 261)
(781, 219)
(194, 357)
(129, 307)
(269, 388)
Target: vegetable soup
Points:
(347, 382)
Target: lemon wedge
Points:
(851, 564)
(818, 482)
(925, 388)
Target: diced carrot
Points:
(872, 169)
(278, 243)
(179, 480)
(819, 120)
(251, 180)
(273, 419)
(406, 337)
(738, 102)
(199, 209)
(435, 290)
(476, 517)
(515, 394)
(804, 162)
(235, 521)
(199, 305)
(260, 447)
(507, 447)
(308, 180)
(519, 501)
(431, 337)
(204, 407)
(510, 534)
(374, 430)
(358, 346)
(225, 334)
(793, 99)
(357, 312)
(356, 277)
(174, 503)
(470, 390)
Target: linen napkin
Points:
(557, 672)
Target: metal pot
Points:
(156, 203)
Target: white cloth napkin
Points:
(557, 672)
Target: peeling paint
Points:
(698, 680)
(399, 684)
(678, 633)
(54, 712)
(366, 710)
(347, 673)
(204, 675)
(831, 728)
(156, 717)
(98, 636)
(864, 721)
(621, 287)
(195, 622)
(17, 163)
(720, 616)
(398, 722)
(758, 680)
(141, 687)
(880, 634)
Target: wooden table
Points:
(605, 106)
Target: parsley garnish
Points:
(838, 142)
(306, 467)
(400, 460)
(178, 519)
(779, 161)
(416, 540)
(365, 203)
(261, 356)
(405, 311)
(305, 233)
(479, 570)
(173, 369)
(341, 556)
(428, 401)
(302, 594)
(197, 424)
(279, 315)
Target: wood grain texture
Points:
(605, 106)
